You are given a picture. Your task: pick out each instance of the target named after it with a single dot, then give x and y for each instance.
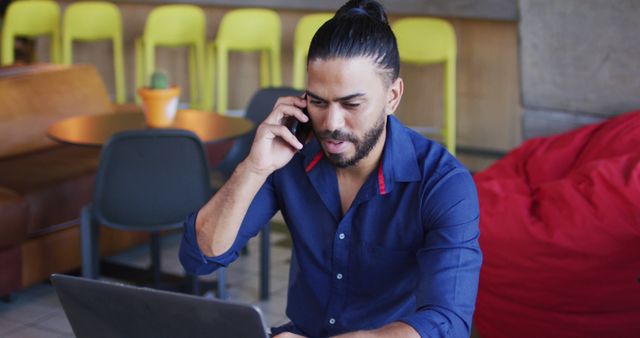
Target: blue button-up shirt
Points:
(406, 250)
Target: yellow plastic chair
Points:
(32, 18)
(174, 26)
(305, 30)
(244, 30)
(91, 21)
(425, 41)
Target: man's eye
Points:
(351, 105)
(316, 103)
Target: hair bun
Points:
(371, 8)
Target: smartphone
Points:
(301, 130)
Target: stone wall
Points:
(580, 62)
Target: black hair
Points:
(359, 28)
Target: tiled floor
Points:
(36, 312)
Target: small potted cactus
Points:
(159, 101)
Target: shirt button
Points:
(332, 321)
(341, 236)
(339, 276)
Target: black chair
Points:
(148, 180)
(259, 107)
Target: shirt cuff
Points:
(428, 324)
(193, 259)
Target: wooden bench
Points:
(43, 185)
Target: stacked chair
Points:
(174, 26)
(31, 19)
(425, 41)
(305, 30)
(94, 21)
(244, 30)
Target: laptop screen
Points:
(103, 309)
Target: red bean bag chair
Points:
(560, 233)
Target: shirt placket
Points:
(339, 266)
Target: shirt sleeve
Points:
(449, 259)
(261, 210)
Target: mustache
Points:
(337, 135)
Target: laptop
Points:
(99, 309)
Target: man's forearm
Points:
(392, 330)
(219, 220)
(273, 147)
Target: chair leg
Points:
(264, 262)
(139, 60)
(222, 62)
(265, 76)
(89, 242)
(222, 283)
(194, 88)
(8, 298)
(209, 79)
(118, 68)
(155, 258)
(194, 284)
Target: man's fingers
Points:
(291, 101)
(292, 111)
(281, 131)
(288, 106)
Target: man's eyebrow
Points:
(344, 98)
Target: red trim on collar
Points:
(315, 161)
(383, 189)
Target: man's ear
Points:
(394, 95)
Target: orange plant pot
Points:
(159, 105)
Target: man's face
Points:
(348, 100)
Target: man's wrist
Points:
(250, 171)
(394, 329)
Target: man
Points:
(384, 222)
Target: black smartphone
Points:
(301, 130)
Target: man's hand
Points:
(288, 335)
(395, 329)
(391, 330)
(274, 145)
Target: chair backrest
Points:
(425, 41)
(249, 29)
(91, 21)
(175, 25)
(260, 106)
(31, 18)
(150, 179)
(305, 30)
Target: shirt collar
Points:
(398, 162)
(312, 153)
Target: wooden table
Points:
(95, 130)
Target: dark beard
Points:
(363, 147)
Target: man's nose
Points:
(334, 119)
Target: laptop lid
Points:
(104, 309)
